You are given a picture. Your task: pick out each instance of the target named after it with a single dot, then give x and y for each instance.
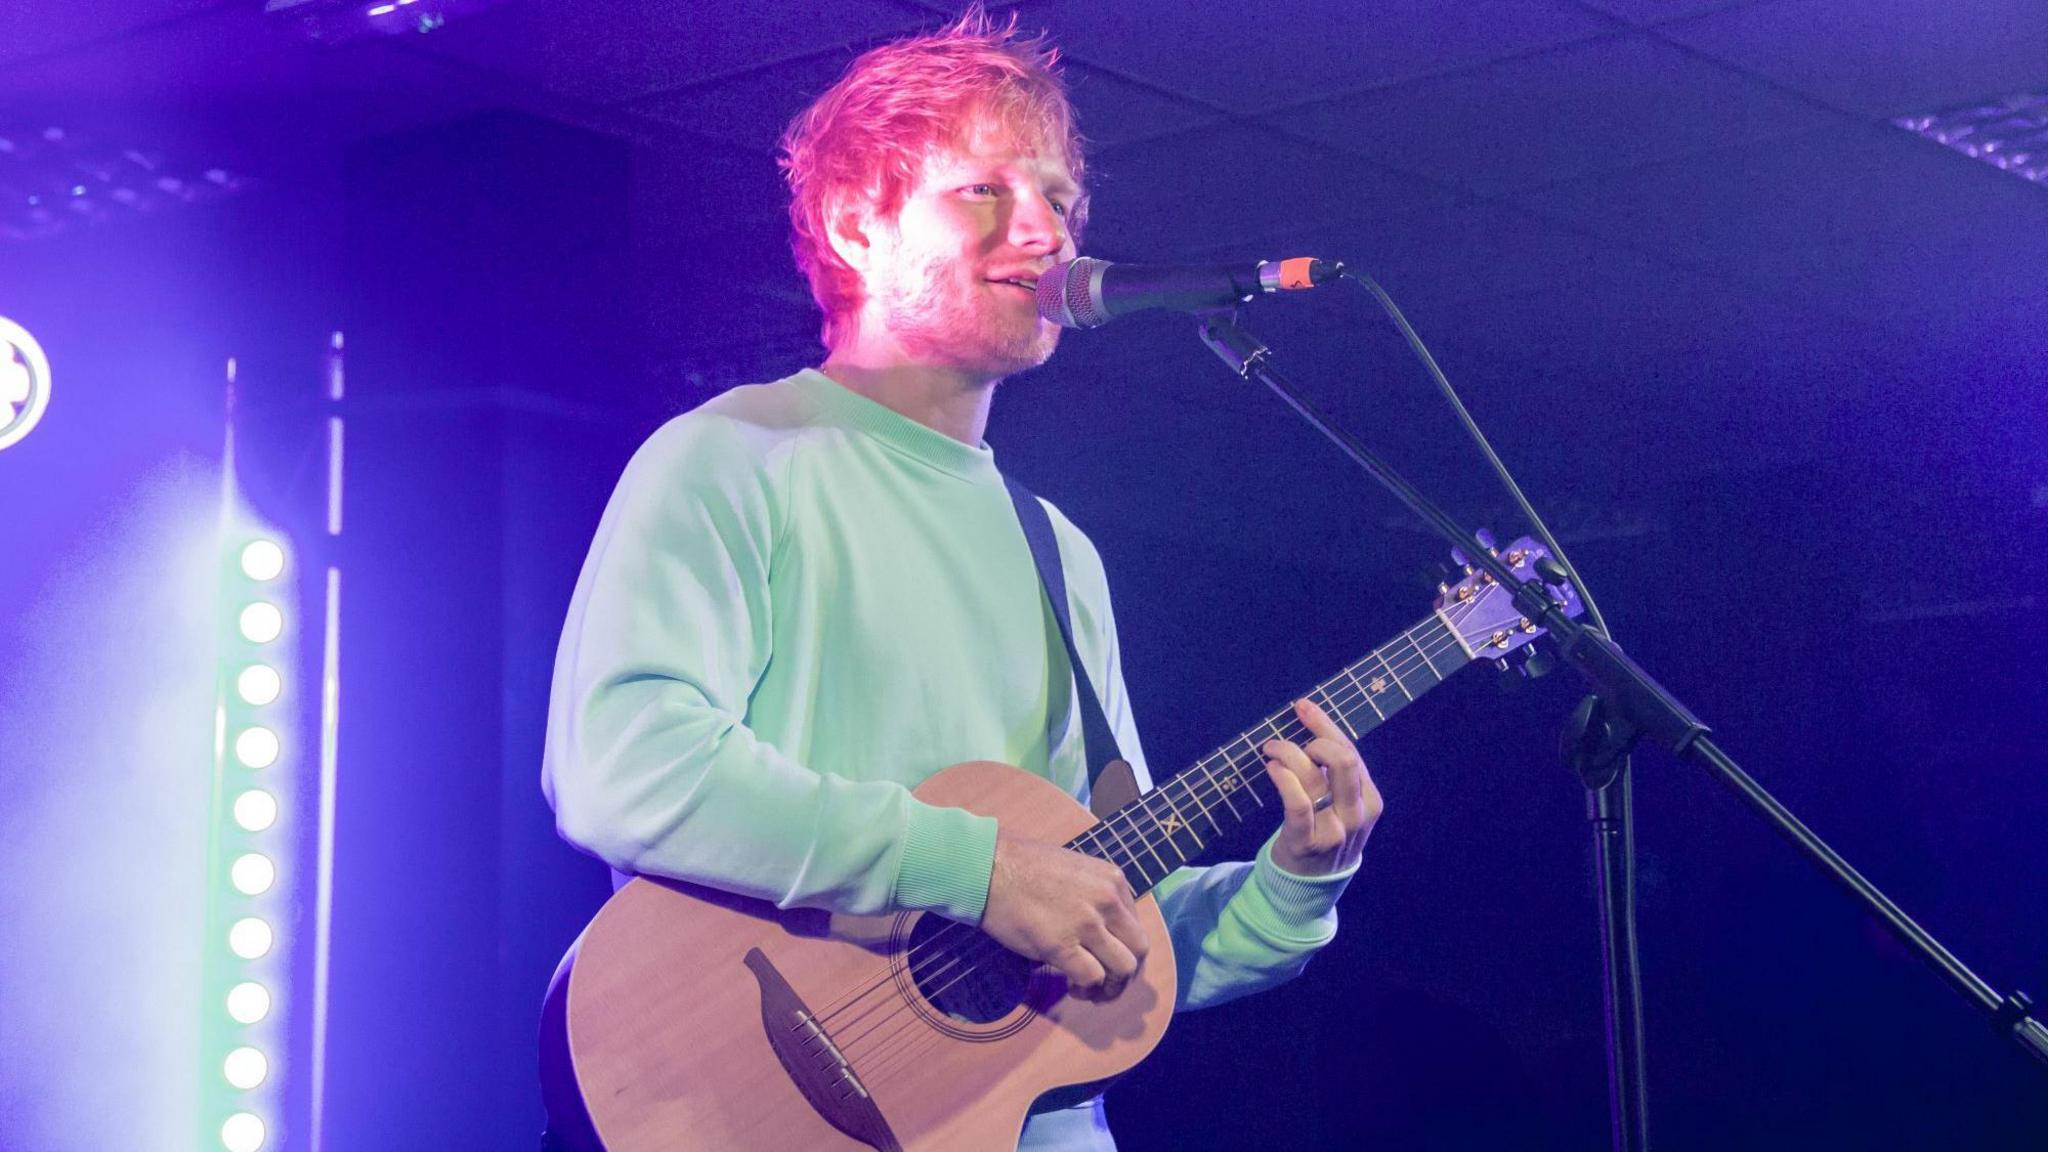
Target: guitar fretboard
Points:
(1179, 820)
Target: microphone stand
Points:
(1627, 706)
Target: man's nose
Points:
(1038, 226)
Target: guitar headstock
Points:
(1484, 614)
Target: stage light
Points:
(252, 873)
(255, 810)
(262, 622)
(2010, 132)
(256, 747)
(245, 1067)
(248, 1002)
(259, 684)
(336, 21)
(24, 382)
(250, 938)
(262, 560)
(243, 1132)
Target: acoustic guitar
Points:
(686, 1018)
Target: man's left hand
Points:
(1317, 841)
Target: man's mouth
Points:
(1030, 286)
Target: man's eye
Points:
(982, 189)
(1059, 208)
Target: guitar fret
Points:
(1175, 825)
(1149, 847)
(1222, 793)
(1243, 777)
(1387, 673)
(1130, 860)
(1409, 636)
(1171, 819)
(1164, 827)
(1329, 705)
(1362, 692)
(1215, 829)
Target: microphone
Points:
(1088, 293)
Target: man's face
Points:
(983, 214)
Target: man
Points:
(807, 596)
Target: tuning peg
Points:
(1538, 663)
(1485, 536)
(1552, 572)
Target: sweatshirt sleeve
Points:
(649, 763)
(1237, 927)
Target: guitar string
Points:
(1106, 830)
(884, 1050)
(883, 1061)
(968, 958)
(1103, 832)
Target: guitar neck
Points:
(1179, 820)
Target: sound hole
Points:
(965, 974)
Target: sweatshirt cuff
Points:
(948, 856)
(1298, 900)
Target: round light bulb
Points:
(262, 622)
(262, 560)
(259, 684)
(255, 810)
(245, 1068)
(256, 747)
(250, 938)
(252, 873)
(248, 1002)
(243, 1132)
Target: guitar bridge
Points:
(816, 1065)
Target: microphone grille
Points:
(1067, 294)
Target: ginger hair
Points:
(866, 137)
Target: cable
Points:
(1598, 622)
(1624, 799)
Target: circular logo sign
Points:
(24, 383)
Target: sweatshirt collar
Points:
(928, 445)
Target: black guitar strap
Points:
(1099, 741)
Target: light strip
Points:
(323, 900)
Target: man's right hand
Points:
(1074, 912)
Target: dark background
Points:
(1773, 365)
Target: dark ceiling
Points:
(1691, 222)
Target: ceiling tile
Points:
(692, 189)
(749, 110)
(1199, 189)
(1883, 57)
(1583, 108)
(615, 52)
(1869, 216)
(1117, 111)
(1288, 51)
(28, 31)
(236, 89)
(752, 109)
(1646, 12)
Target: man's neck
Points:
(945, 399)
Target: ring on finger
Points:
(1323, 801)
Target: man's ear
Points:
(849, 228)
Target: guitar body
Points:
(658, 1040)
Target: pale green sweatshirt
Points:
(799, 605)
